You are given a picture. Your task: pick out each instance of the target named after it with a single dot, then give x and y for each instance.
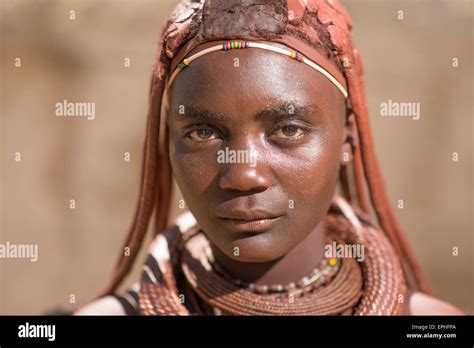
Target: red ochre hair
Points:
(323, 24)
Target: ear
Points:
(350, 139)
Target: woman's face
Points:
(256, 142)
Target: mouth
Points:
(256, 225)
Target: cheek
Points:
(310, 177)
(193, 172)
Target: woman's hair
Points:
(324, 25)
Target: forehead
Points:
(232, 79)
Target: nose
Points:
(245, 177)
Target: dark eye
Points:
(290, 131)
(202, 134)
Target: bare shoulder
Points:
(419, 303)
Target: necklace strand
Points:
(321, 274)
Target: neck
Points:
(291, 267)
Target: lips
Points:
(250, 226)
(249, 221)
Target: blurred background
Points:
(64, 158)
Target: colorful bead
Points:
(235, 45)
(184, 64)
(296, 55)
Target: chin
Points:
(257, 248)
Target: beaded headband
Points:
(240, 44)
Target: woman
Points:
(257, 109)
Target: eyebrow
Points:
(195, 113)
(284, 110)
